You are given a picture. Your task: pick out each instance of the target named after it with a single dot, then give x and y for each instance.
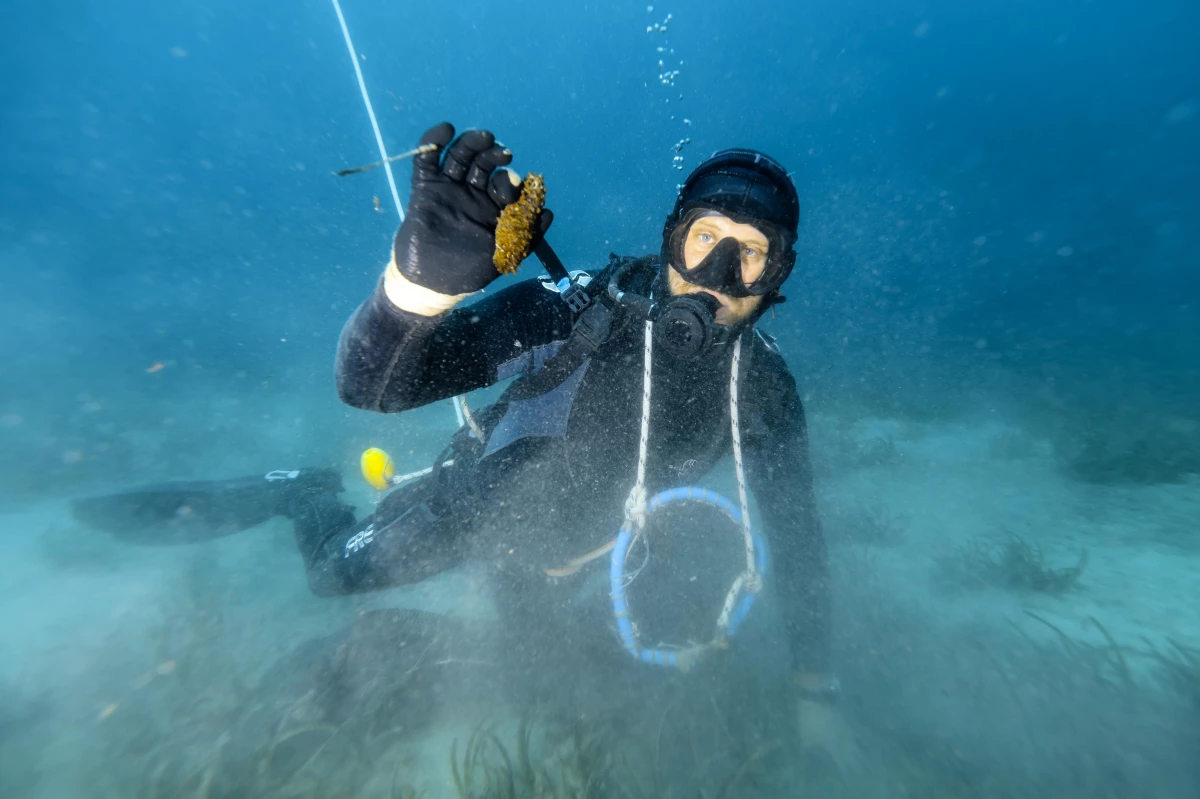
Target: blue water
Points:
(1000, 226)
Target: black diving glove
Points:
(447, 239)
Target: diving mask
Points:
(721, 269)
(750, 188)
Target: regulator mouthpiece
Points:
(686, 325)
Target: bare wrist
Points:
(402, 293)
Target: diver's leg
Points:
(402, 542)
(322, 524)
(188, 512)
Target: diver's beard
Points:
(734, 311)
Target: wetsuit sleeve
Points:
(390, 360)
(780, 474)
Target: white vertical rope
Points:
(387, 167)
(464, 415)
(737, 460)
(644, 445)
(635, 505)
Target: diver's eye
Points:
(704, 238)
(750, 253)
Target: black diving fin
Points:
(189, 512)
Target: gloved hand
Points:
(447, 239)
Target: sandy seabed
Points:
(1003, 630)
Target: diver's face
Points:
(703, 235)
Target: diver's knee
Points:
(325, 582)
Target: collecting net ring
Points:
(738, 601)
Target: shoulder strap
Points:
(590, 331)
(592, 328)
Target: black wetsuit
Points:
(549, 480)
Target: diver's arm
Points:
(404, 346)
(390, 359)
(780, 474)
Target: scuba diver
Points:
(626, 372)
